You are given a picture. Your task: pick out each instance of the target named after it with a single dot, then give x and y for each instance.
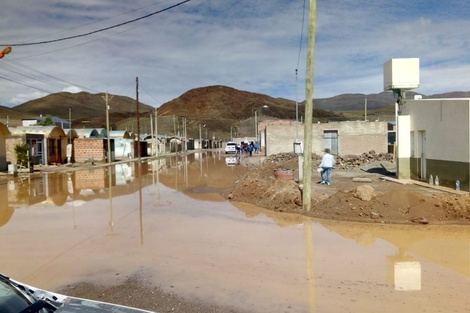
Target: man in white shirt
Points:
(327, 164)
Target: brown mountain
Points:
(12, 117)
(87, 110)
(224, 110)
(218, 111)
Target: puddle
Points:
(171, 222)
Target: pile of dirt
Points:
(358, 193)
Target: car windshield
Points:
(11, 300)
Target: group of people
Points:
(246, 148)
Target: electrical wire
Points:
(301, 37)
(95, 31)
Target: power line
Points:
(301, 37)
(14, 81)
(96, 31)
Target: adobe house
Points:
(47, 144)
(4, 134)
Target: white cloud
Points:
(72, 89)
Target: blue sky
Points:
(249, 45)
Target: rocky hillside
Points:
(219, 111)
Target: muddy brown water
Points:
(167, 219)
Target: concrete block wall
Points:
(86, 148)
(353, 137)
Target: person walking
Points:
(327, 164)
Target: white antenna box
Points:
(401, 74)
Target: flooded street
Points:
(168, 219)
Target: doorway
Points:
(422, 154)
(330, 141)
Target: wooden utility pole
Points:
(137, 113)
(365, 110)
(156, 133)
(307, 166)
(106, 100)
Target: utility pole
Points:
(184, 134)
(365, 110)
(106, 101)
(200, 137)
(256, 125)
(137, 112)
(69, 146)
(307, 166)
(156, 133)
(151, 132)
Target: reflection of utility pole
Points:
(307, 166)
(110, 198)
(308, 245)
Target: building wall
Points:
(10, 144)
(353, 137)
(3, 153)
(437, 129)
(86, 148)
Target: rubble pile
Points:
(289, 159)
(350, 161)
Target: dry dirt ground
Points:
(361, 191)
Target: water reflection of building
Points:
(448, 247)
(6, 210)
(48, 187)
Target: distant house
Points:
(91, 132)
(4, 134)
(34, 121)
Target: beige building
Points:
(4, 134)
(433, 139)
(343, 138)
(47, 144)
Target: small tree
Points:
(22, 154)
(47, 121)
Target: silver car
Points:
(16, 297)
(230, 147)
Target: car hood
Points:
(77, 305)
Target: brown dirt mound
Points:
(386, 201)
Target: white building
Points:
(434, 139)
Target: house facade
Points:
(47, 144)
(433, 139)
(344, 138)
